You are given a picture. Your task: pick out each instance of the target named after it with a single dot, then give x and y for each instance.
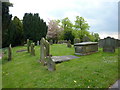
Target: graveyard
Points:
(97, 70)
(58, 45)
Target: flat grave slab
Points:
(63, 58)
(21, 50)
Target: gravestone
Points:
(50, 64)
(109, 45)
(69, 44)
(65, 41)
(57, 59)
(9, 53)
(32, 49)
(44, 50)
(28, 45)
(51, 42)
(38, 43)
(100, 43)
(76, 40)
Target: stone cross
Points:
(9, 53)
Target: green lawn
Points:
(98, 70)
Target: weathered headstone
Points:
(38, 43)
(100, 43)
(50, 64)
(51, 42)
(9, 53)
(69, 44)
(109, 45)
(45, 57)
(44, 50)
(32, 49)
(28, 45)
(76, 40)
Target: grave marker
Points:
(9, 53)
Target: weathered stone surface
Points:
(109, 44)
(21, 50)
(50, 64)
(76, 40)
(63, 58)
(9, 53)
(28, 45)
(85, 48)
(44, 50)
(69, 44)
(38, 43)
(32, 49)
(51, 42)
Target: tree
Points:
(68, 35)
(67, 24)
(68, 29)
(97, 38)
(6, 19)
(54, 30)
(81, 26)
(34, 28)
(15, 32)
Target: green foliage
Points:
(34, 28)
(81, 26)
(6, 19)
(15, 32)
(68, 35)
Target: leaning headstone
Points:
(109, 45)
(69, 44)
(76, 40)
(50, 64)
(38, 43)
(32, 49)
(44, 50)
(9, 53)
(28, 45)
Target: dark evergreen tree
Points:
(34, 28)
(15, 32)
(6, 19)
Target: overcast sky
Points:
(101, 15)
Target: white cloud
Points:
(106, 34)
(95, 12)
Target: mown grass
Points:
(98, 70)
